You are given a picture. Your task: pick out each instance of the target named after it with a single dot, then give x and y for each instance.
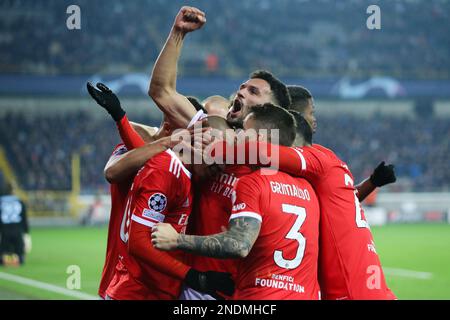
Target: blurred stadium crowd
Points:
(307, 39)
(40, 148)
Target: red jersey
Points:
(283, 261)
(212, 211)
(119, 194)
(161, 192)
(349, 267)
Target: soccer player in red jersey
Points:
(120, 180)
(303, 102)
(160, 192)
(273, 226)
(144, 285)
(211, 213)
(118, 193)
(120, 183)
(349, 267)
(262, 87)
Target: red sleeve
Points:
(314, 163)
(152, 201)
(140, 246)
(154, 197)
(130, 137)
(246, 202)
(298, 162)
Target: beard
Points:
(235, 123)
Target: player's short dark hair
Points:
(299, 97)
(303, 127)
(196, 103)
(270, 116)
(279, 89)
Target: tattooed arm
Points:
(236, 242)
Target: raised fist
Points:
(189, 19)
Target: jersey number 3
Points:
(293, 234)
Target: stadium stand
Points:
(305, 38)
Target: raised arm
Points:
(382, 175)
(162, 88)
(121, 167)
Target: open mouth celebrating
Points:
(236, 109)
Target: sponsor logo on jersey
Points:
(148, 213)
(239, 206)
(280, 282)
(227, 179)
(157, 202)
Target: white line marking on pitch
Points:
(47, 287)
(408, 273)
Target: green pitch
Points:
(416, 259)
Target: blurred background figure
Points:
(15, 239)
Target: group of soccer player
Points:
(289, 226)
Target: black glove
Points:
(210, 282)
(107, 99)
(383, 175)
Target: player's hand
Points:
(189, 19)
(164, 237)
(106, 99)
(187, 135)
(383, 175)
(210, 282)
(188, 143)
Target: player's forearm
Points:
(364, 189)
(222, 246)
(175, 106)
(234, 243)
(164, 74)
(127, 165)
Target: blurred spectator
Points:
(212, 62)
